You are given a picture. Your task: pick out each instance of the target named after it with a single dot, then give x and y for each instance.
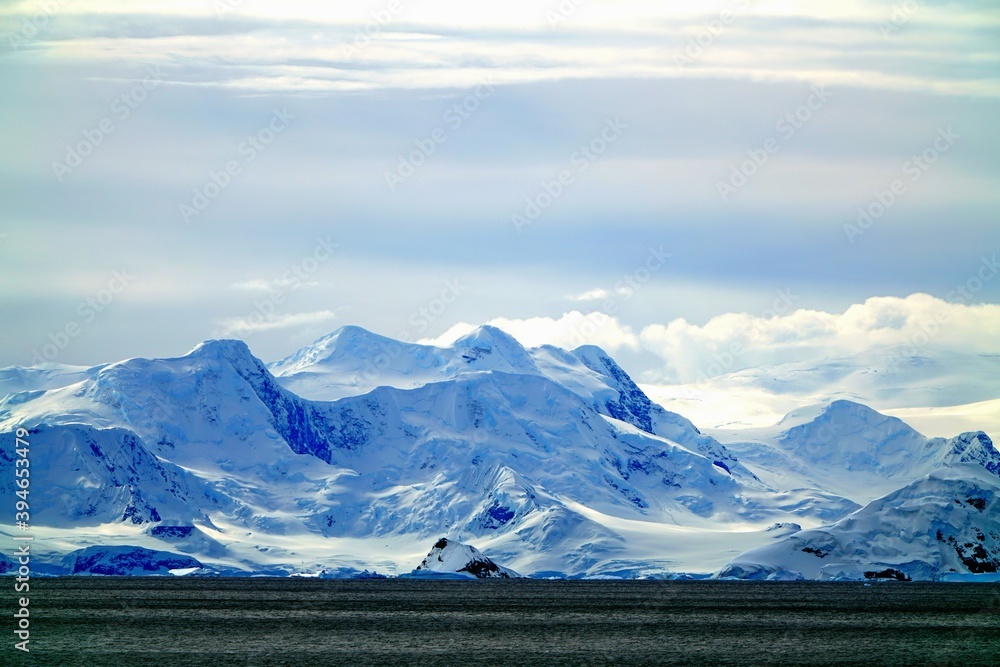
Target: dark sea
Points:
(248, 622)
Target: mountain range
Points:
(357, 453)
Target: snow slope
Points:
(20, 379)
(945, 523)
(86, 477)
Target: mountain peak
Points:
(599, 361)
(839, 413)
(843, 421)
(591, 351)
(234, 352)
(451, 557)
(352, 336)
(490, 348)
(844, 405)
(974, 447)
(227, 348)
(487, 335)
(346, 342)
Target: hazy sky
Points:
(656, 177)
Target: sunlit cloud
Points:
(308, 46)
(598, 294)
(570, 331)
(256, 322)
(275, 285)
(735, 341)
(699, 90)
(728, 343)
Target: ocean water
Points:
(169, 622)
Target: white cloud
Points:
(256, 322)
(571, 330)
(735, 341)
(597, 294)
(445, 43)
(253, 286)
(277, 285)
(453, 333)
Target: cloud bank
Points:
(317, 46)
(689, 353)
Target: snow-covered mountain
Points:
(450, 557)
(357, 451)
(124, 561)
(853, 451)
(938, 392)
(947, 523)
(352, 361)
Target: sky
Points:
(668, 180)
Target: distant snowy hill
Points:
(853, 451)
(18, 379)
(124, 561)
(947, 523)
(356, 452)
(938, 392)
(450, 557)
